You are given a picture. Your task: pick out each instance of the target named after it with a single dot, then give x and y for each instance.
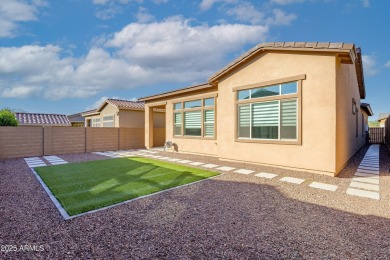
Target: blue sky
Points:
(67, 56)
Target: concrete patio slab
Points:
(363, 193)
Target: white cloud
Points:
(281, 18)
(286, 2)
(246, 12)
(369, 65)
(143, 15)
(207, 4)
(171, 51)
(366, 3)
(13, 12)
(387, 64)
(21, 91)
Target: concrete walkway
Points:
(365, 182)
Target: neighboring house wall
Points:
(131, 118)
(382, 122)
(349, 135)
(108, 110)
(316, 153)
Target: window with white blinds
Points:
(177, 118)
(209, 123)
(273, 120)
(193, 123)
(195, 118)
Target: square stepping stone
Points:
(363, 193)
(174, 160)
(364, 186)
(323, 186)
(266, 175)
(243, 171)
(292, 180)
(210, 165)
(367, 175)
(366, 180)
(184, 161)
(225, 168)
(367, 171)
(196, 163)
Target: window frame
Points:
(298, 96)
(202, 109)
(94, 123)
(102, 121)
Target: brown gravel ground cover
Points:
(231, 216)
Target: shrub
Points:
(7, 118)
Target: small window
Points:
(177, 123)
(177, 106)
(243, 94)
(289, 88)
(244, 124)
(208, 102)
(209, 123)
(193, 104)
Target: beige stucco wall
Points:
(316, 153)
(131, 118)
(347, 144)
(189, 145)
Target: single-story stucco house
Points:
(293, 105)
(38, 119)
(126, 113)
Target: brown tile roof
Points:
(296, 46)
(119, 103)
(42, 119)
(123, 104)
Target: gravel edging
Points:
(232, 216)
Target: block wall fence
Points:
(27, 141)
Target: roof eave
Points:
(177, 92)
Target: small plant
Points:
(7, 118)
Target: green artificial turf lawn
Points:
(81, 187)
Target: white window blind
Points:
(265, 114)
(289, 113)
(209, 122)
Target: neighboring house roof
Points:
(42, 119)
(76, 118)
(366, 107)
(346, 52)
(123, 104)
(383, 116)
(90, 112)
(120, 104)
(178, 91)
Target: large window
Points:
(194, 118)
(268, 113)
